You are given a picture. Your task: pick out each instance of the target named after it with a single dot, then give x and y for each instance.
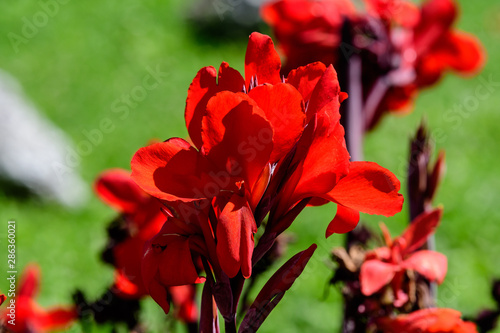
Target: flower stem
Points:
(230, 326)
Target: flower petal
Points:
(176, 266)
(30, 280)
(420, 229)
(56, 319)
(433, 265)
(375, 275)
(173, 170)
(344, 221)
(436, 18)
(262, 62)
(306, 77)
(322, 156)
(117, 189)
(284, 108)
(326, 95)
(236, 137)
(235, 243)
(368, 188)
(203, 87)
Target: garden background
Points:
(78, 65)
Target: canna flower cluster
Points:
(402, 48)
(262, 147)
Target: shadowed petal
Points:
(236, 137)
(284, 108)
(235, 243)
(173, 170)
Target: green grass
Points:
(91, 53)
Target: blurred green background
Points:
(90, 53)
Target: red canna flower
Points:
(403, 48)
(258, 137)
(28, 316)
(427, 320)
(388, 264)
(140, 219)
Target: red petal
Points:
(173, 170)
(344, 221)
(284, 108)
(203, 87)
(261, 60)
(420, 229)
(176, 264)
(436, 18)
(56, 319)
(370, 189)
(455, 50)
(322, 159)
(159, 293)
(433, 265)
(235, 229)
(125, 287)
(375, 275)
(427, 320)
(117, 189)
(30, 280)
(236, 137)
(230, 79)
(2, 298)
(305, 78)
(326, 95)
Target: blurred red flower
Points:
(427, 320)
(403, 48)
(29, 317)
(140, 219)
(388, 264)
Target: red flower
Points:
(141, 217)
(403, 48)
(432, 47)
(427, 320)
(256, 137)
(169, 259)
(29, 316)
(388, 264)
(308, 31)
(2, 298)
